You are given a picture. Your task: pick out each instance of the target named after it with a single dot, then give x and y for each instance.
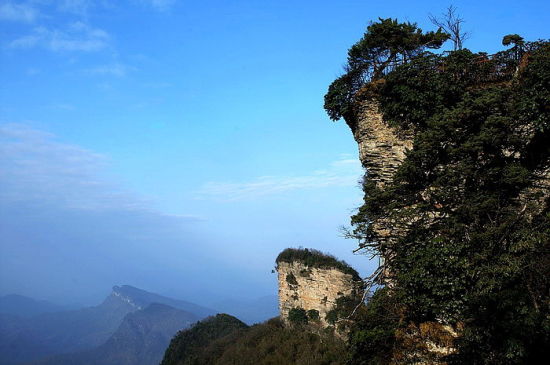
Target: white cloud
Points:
(35, 167)
(25, 13)
(77, 36)
(343, 172)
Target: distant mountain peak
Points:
(125, 296)
(132, 318)
(140, 299)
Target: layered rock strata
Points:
(381, 147)
(382, 150)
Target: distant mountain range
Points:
(127, 316)
(130, 327)
(22, 306)
(141, 339)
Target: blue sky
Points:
(178, 146)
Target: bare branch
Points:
(451, 23)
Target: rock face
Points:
(314, 288)
(381, 151)
(381, 147)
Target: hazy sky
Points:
(178, 146)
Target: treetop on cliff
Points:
(386, 44)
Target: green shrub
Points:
(298, 316)
(385, 44)
(372, 336)
(332, 316)
(313, 314)
(291, 279)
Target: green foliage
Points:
(270, 343)
(291, 279)
(342, 310)
(332, 316)
(373, 335)
(340, 95)
(298, 316)
(478, 251)
(185, 348)
(388, 41)
(313, 315)
(316, 259)
(514, 39)
(433, 84)
(385, 44)
(533, 92)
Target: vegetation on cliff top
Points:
(385, 45)
(478, 252)
(314, 258)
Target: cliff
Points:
(456, 195)
(316, 283)
(381, 147)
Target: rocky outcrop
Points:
(427, 343)
(311, 286)
(381, 147)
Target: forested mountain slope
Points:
(224, 340)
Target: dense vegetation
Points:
(373, 337)
(218, 342)
(478, 251)
(187, 347)
(317, 259)
(385, 45)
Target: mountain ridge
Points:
(23, 306)
(47, 334)
(140, 339)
